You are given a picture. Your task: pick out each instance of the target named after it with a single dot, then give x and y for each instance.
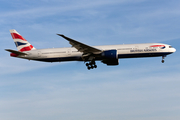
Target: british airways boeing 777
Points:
(109, 54)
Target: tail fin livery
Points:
(21, 43)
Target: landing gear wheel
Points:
(88, 68)
(91, 65)
(162, 61)
(95, 66)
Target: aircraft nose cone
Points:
(173, 50)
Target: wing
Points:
(15, 52)
(81, 47)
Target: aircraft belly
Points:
(136, 55)
(59, 59)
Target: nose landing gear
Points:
(163, 57)
(91, 65)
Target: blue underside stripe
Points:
(119, 56)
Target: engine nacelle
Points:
(110, 57)
(111, 61)
(110, 54)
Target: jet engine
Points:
(110, 57)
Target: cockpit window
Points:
(170, 47)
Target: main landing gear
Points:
(91, 65)
(163, 57)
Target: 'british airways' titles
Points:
(143, 50)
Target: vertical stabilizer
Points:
(21, 43)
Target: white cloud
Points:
(16, 65)
(128, 98)
(48, 10)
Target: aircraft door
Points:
(39, 53)
(69, 51)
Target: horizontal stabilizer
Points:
(16, 52)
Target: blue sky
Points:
(137, 89)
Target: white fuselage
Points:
(123, 51)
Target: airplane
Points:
(109, 54)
